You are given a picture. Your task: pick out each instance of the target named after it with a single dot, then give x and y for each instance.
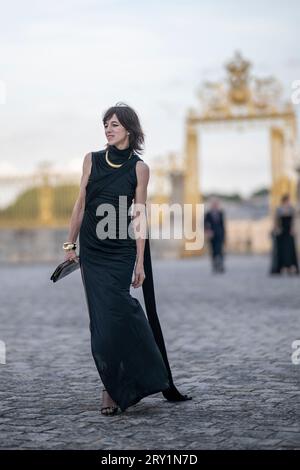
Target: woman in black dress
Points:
(284, 254)
(127, 347)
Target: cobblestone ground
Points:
(229, 343)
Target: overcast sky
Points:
(64, 62)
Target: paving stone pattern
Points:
(229, 344)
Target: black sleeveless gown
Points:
(127, 357)
(284, 252)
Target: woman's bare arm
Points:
(139, 220)
(78, 209)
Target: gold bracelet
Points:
(68, 246)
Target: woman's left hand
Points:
(139, 276)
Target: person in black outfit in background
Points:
(284, 255)
(214, 228)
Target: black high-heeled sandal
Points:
(108, 410)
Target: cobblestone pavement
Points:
(229, 344)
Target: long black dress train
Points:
(127, 347)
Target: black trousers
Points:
(217, 255)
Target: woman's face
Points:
(115, 133)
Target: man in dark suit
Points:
(214, 226)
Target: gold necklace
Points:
(115, 165)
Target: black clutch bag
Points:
(65, 268)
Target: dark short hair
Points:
(130, 120)
(285, 197)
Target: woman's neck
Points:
(121, 146)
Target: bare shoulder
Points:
(142, 171)
(87, 162)
(86, 168)
(87, 159)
